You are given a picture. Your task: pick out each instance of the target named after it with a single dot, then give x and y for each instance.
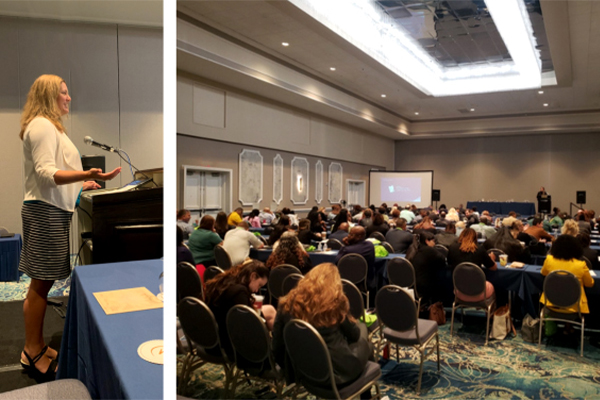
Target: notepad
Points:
(127, 300)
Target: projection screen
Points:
(402, 187)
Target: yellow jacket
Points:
(234, 219)
(577, 268)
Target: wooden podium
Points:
(124, 226)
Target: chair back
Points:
(188, 282)
(355, 299)
(377, 235)
(211, 272)
(562, 289)
(388, 247)
(353, 267)
(263, 240)
(198, 323)
(290, 282)
(277, 276)
(396, 309)
(334, 244)
(469, 279)
(497, 253)
(222, 258)
(587, 262)
(442, 249)
(309, 354)
(401, 273)
(249, 337)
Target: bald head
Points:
(357, 234)
(344, 227)
(243, 225)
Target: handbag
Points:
(437, 313)
(502, 324)
(530, 330)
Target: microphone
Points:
(89, 141)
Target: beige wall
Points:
(114, 75)
(209, 153)
(255, 121)
(508, 168)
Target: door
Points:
(207, 191)
(356, 192)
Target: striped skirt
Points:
(45, 253)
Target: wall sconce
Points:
(299, 183)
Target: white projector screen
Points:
(402, 187)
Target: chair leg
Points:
(541, 325)
(377, 390)
(487, 327)
(452, 320)
(437, 339)
(420, 372)
(582, 331)
(184, 370)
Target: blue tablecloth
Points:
(503, 207)
(10, 255)
(101, 350)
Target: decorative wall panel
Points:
(299, 181)
(319, 182)
(336, 184)
(251, 177)
(277, 179)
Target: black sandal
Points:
(50, 374)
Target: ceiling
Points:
(573, 105)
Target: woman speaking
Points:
(53, 176)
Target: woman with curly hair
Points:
(290, 251)
(570, 227)
(319, 300)
(235, 286)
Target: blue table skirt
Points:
(101, 350)
(10, 256)
(503, 207)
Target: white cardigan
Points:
(45, 151)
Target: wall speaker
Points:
(89, 162)
(580, 197)
(435, 195)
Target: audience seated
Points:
(588, 253)
(235, 217)
(341, 233)
(183, 253)
(505, 241)
(367, 218)
(466, 249)
(203, 241)
(484, 227)
(471, 216)
(565, 254)
(319, 300)
(335, 210)
(305, 235)
(266, 216)
(355, 243)
(584, 225)
(395, 215)
(452, 215)
(342, 217)
(235, 286)
(570, 227)
(317, 224)
(291, 215)
(253, 219)
(425, 226)
(537, 231)
(408, 215)
(447, 236)
(221, 225)
(183, 222)
(399, 238)
(283, 225)
(508, 221)
(290, 251)
(238, 241)
(429, 266)
(377, 225)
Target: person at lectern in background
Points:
(53, 180)
(541, 194)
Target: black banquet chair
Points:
(400, 325)
(202, 332)
(354, 268)
(276, 279)
(188, 282)
(563, 290)
(222, 258)
(334, 244)
(401, 273)
(290, 282)
(313, 368)
(377, 235)
(211, 272)
(469, 279)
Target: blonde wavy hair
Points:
(41, 102)
(319, 298)
(571, 227)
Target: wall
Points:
(114, 75)
(256, 121)
(196, 151)
(508, 168)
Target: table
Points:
(10, 255)
(503, 207)
(101, 350)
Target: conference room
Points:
(288, 106)
(83, 82)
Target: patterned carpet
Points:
(10, 291)
(510, 368)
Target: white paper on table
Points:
(592, 273)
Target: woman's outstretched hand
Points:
(91, 185)
(97, 174)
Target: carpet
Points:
(510, 368)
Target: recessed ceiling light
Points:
(546, 104)
(332, 68)
(383, 95)
(416, 113)
(540, 92)
(285, 44)
(471, 109)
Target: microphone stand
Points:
(118, 151)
